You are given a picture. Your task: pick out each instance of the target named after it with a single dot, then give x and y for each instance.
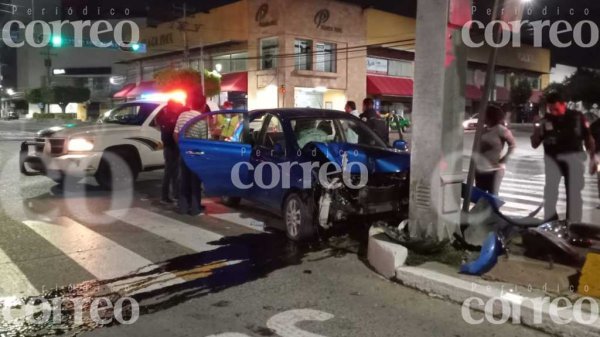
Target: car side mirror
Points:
(400, 145)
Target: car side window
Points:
(272, 133)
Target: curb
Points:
(460, 290)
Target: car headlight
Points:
(80, 145)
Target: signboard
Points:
(378, 66)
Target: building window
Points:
(500, 80)
(401, 68)
(239, 62)
(377, 65)
(230, 62)
(535, 83)
(326, 57)
(303, 52)
(269, 49)
(470, 77)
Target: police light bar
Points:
(177, 96)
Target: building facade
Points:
(283, 53)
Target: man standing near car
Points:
(564, 132)
(374, 121)
(351, 108)
(190, 187)
(165, 122)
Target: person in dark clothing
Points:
(165, 121)
(595, 129)
(563, 133)
(190, 191)
(374, 121)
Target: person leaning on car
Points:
(564, 133)
(190, 187)
(374, 121)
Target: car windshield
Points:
(334, 130)
(129, 114)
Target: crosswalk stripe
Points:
(97, 254)
(188, 236)
(13, 281)
(237, 219)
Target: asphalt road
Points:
(219, 274)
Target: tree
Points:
(189, 80)
(583, 86)
(520, 92)
(35, 96)
(59, 95)
(62, 96)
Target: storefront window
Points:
(535, 82)
(500, 82)
(303, 52)
(377, 65)
(224, 61)
(401, 68)
(239, 62)
(470, 77)
(269, 49)
(326, 57)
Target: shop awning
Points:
(389, 86)
(122, 93)
(142, 88)
(472, 92)
(234, 82)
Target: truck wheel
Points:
(231, 201)
(299, 218)
(117, 170)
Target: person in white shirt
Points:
(351, 109)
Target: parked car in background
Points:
(317, 168)
(11, 116)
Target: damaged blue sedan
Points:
(317, 168)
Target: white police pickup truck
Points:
(123, 143)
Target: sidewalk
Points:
(517, 291)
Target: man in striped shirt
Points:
(190, 188)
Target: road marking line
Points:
(236, 218)
(192, 237)
(100, 256)
(13, 282)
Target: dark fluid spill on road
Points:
(234, 261)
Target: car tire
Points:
(298, 217)
(231, 201)
(118, 164)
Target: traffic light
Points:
(56, 41)
(136, 47)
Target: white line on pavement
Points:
(186, 235)
(100, 256)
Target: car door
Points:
(268, 155)
(222, 165)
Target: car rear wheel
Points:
(298, 217)
(231, 201)
(117, 171)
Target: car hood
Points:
(377, 160)
(90, 129)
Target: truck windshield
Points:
(129, 114)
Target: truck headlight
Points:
(80, 145)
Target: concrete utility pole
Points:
(437, 141)
(183, 27)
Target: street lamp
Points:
(218, 67)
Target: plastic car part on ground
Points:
(492, 248)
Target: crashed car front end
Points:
(381, 195)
